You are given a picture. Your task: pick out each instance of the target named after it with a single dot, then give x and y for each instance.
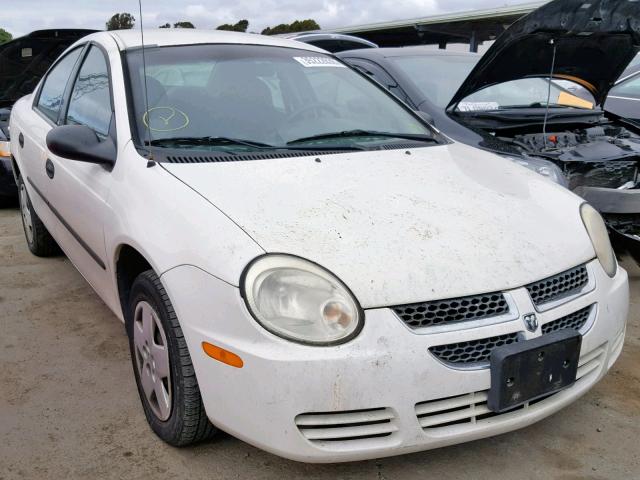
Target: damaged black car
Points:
(23, 62)
(516, 100)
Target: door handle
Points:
(50, 168)
(21, 140)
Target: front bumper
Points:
(384, 382)
(8, 186)
(611, 200)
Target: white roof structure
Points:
(472, 27)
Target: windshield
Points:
(438, 77)
(260, 96)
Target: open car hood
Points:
(595, 40)
(25, 60)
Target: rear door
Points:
(33, 129)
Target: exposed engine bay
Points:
(599, 161)
(605, 155)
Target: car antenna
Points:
(546, 112)
(150, 160)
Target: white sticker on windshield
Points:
(318, 62)
(477, 106)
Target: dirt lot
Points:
(69, 408)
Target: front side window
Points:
(261, 94)
(90, 102)
(52, 92)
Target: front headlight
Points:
(300, 301)
(546, 168)
(599, 236)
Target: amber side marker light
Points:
(222, 355)
(4, 149)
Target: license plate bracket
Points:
(525, 371)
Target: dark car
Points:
(23, 62)
(498, 101)
(331, 42)
(624, 98)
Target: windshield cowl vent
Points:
(245, 157)
(400, 146)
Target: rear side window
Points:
(90, 102)
(51, 95)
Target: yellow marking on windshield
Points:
(171, 119)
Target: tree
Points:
(166, 25)
(5, 36)
(241, 26)
(183, 25)
(296, 26)
(121, 21)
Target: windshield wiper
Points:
(365, 133)
(537, 105)
(209, 141)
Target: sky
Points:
(23, 16)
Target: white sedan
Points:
(302, 261)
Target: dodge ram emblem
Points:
(530, 321)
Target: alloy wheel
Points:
(152, 359)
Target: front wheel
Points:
(162, 366)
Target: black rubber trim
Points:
(73, 233)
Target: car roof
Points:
(418, 50)
(166, 37)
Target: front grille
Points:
(471, 408)
(474, 307)
(472, 352)
(575, 320)
(559, 286)
(347, 425)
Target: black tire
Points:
(40, 241)
(8, 202)
(187, 422)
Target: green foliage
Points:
(5, 36)
(296, 26)
(241, 26)
(183, 25)
(121, 21)
(166, 25)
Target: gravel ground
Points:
(69, 407)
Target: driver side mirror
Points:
(81, 143)
(426, 117)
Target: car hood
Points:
(402, 226)
(595, 40)
(25, 60)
